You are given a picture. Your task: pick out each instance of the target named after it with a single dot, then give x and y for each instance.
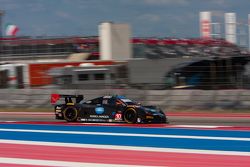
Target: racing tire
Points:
(70, 114)
(130, 116)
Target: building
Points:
(90, 76)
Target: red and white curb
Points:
(77, 155)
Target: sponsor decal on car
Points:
(107, 97)
(99, 110)
(134, 106)
(126, 100)
(58, 107)
(93, 120)
(58, 111)
(118, 117)
(98, 116)
(149, 117)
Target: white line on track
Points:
(200, 126)
(126, 134)
(119, 124)
(127, 148)
(22, 161)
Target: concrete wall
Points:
(167, 99)
(153, 70)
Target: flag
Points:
(11, 30)
(54, 98)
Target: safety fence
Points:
(167, 99)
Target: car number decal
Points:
(118, 116)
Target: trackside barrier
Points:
(167, 99)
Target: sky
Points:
(148, 18)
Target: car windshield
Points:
(128, 102)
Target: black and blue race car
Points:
(105, 109)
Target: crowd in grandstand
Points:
(142, 47)
(171, 47)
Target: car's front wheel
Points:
(130, 115)
(70, 114)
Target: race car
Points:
(105, 109)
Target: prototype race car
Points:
(105, 109)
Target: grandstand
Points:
(26, 48)
(168, 54)
(172, 47)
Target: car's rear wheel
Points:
(70, 114)
(130, 115)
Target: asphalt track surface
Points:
(222, 119)
(190, 140)
(76, 145)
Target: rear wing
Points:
(68, 98)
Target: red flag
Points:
(54, 98)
